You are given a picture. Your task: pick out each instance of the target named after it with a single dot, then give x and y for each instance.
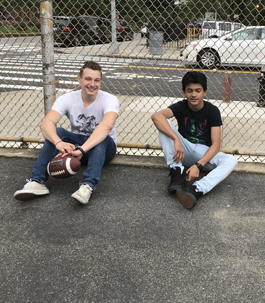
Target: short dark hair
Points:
(92, 65)
(194, 77)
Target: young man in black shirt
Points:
(196, 143)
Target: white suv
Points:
(215, 29)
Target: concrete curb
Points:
(140, 161)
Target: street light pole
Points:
(114, 46)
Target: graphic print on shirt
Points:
(85, 125)
(194, 130)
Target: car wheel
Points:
(130, 37)
(76, 41)
(208, 58)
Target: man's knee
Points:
(231, 161)
(234, 161)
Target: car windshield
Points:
(210, 25)
(61, 22)
(263, 34)
(225, 27)
(92, 21)
(247, 34)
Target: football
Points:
(63, 167)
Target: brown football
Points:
(63, 167)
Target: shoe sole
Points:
(188, 200)
(79, 199)
(28, 196)
(174, 188)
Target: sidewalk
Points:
(127, 49)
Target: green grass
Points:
(16, 29)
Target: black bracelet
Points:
(77, 147)
(199, 166)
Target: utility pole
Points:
(114, 46)
(46, 18)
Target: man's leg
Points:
(220, 166)
(102, 153)
(169, 150)
(36, 185)
(178, 178)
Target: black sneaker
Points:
(188, 196)
(177, 179)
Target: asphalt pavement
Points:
(134, 242)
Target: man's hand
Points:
(179, 152)
(192, 173)
(78, 154)
(65, 148)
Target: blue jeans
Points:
(95, 158)
(220, 166)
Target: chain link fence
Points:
(145, 48)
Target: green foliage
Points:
(135, 12)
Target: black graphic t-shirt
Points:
(196, 126)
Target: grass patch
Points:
(16, 29)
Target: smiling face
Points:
(194, 93)
(90, 83)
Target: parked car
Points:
(245, 46)
(60, 24)
(215, 29)
(123, 31)
(82, 30)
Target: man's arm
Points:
(193, 172)
(48, 128)
(99, 133)
(161, 123)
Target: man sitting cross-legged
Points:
(196, 143)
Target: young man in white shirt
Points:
(92, 139)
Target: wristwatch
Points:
(199, 166)
(77, 147)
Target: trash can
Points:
(261, 80)
(156, 42)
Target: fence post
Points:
(46, 19)
(114, 45)
(227, 87)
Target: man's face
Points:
(90, 81)
(194, 93)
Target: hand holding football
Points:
(63, 167)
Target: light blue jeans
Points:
(220, 166)
(95, 158)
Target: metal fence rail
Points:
(34, 70)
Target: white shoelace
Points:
(28, 182)
(85, 187)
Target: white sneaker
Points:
(83, 194)
(32, 189)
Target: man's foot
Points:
(83, 194)
(177, 179)
(32, 189)
(188, 196)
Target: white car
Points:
(245, 46)
(216, 29)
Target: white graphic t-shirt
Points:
(84, 119)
